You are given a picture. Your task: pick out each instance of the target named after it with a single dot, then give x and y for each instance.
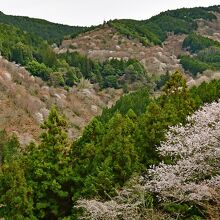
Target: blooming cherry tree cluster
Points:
(193, 174)
(195, 153)
(124, 206)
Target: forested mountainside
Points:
(73, 145)
(154, 30)
(157, 42)
(26, 101)
(52, 32)
(111, 58)
(161, 173)
(39, 58)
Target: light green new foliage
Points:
(15, 195)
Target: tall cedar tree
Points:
(50, 171)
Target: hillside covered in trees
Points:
(152, 154)
(48, 180)
(205, 54)
(161, 43)
(155, 29)
(53, 33)
(23, 41)
(67, 69)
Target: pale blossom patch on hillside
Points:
(207, 76)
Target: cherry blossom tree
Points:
(192, 174)
(195, 153)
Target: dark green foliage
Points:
(119, 128)
(22, 47)
(37, 56)
(183, 210)
(111, 73)
(150, 132)
(21, 53)
(28, 50)
(169, 109)
(9, 147)
(49, 31)
(50, 171)
(207, 54)
(39, 69)
(133, 29)
(65, 69)
(193, 65)
(172, 23)
(151, 117)
(83, 63)
(116, 73)
(177, 98)
(194, 13)
(72, 76)
(15, 194)
(210, 55)
(137, 101)
(155, 29)
(117, 149)
(17, 45)
(195, 43)
(206, 92)
(45, 180)
(136, 123)
(162, 81)
(38, 182)
(106, 156)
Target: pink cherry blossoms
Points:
(195, 150)
(124, 206)
(194, 174)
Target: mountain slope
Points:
(106, 43)
(26, 100)
(49, 31)
(102, 43)
(154, 30)
(45, 179)
(156, 42)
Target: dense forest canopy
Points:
(184, 188)
(66, 69)
(45, 180)
(205, 54)
(25, 41)
(154, 30)
(52, 32)
(155, 139)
